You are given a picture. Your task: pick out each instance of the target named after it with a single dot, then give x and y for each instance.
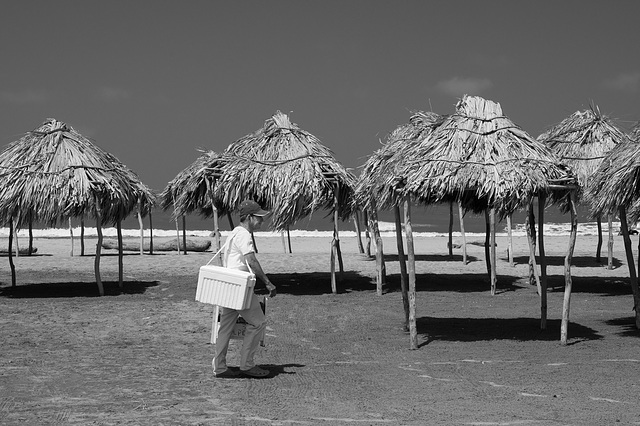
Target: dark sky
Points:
(154, 81)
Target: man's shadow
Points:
(274, 370)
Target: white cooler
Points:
(229, 288)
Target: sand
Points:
(141, 355)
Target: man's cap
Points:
(249, 207)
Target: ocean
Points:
(426, 221)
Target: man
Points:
(240, 254)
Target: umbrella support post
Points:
(413, 330)
(381, 270)
(356, 221)
(30, 235)
(96, 264)
(141, 226)
(610, 245)
(120, 254)
(531, 229)
(71, 237)
(403, 268)
(464, 237)
(632, 269)
(367, 234)
(184, 235)
(450, 243)
(492, 229)
(543, 263)
(82, 236)
(13, 267)
(564, 327)
(599, 246)
(510, 242)
(150, 233)
(533, 267)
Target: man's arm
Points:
(255, 266)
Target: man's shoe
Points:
(255, 372)
(227, 374)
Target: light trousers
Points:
(256, 323)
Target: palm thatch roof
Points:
(635, 132)
(287, 170)
(582, 140)
(616, 183)
(53, 173)
(191, 190)
(480, 157)
(379, 177)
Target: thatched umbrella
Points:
(378, 182)
(194, 189)
(288, 171)
(581, 141)
(481, 158)
(615, 188)
(53, 173)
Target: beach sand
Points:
(142, 355)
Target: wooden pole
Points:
(464, 238)
(487, 238)
(253, 240)
(177, 235)
(289, 239)
(336, 229)
(216, 220)
(284, 244)
(367, 233)
(16, 240)
(184, 235)
(610, 244)
(450, 243)
(533, 267)
(82, 236)
(230, 220)
(543, 262)
(141, 227)
(413, 329)
(567, 269)
(356, 220)
(632, 269)
(599, 246)
(10, 253)
(404, 287)
(532, 229)
(150, 233)
(492, 228)
(30, 234)
(120, 254)
(96, 264)
(381, 269)
(71, 236)
(510, 242)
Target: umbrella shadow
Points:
(591, 284)
(430, 258)
(578, 261)
(460, 283)
(627, 326)
(316, 283)
(486, 329)
(74, 289)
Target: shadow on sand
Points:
(627, 326)
(74, 289)
(430, 258)
(484, 329)
(459, 283)
(577, 261)
(315, 283)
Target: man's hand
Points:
(272, 290)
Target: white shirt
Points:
(241, 245)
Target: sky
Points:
(154, 82)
